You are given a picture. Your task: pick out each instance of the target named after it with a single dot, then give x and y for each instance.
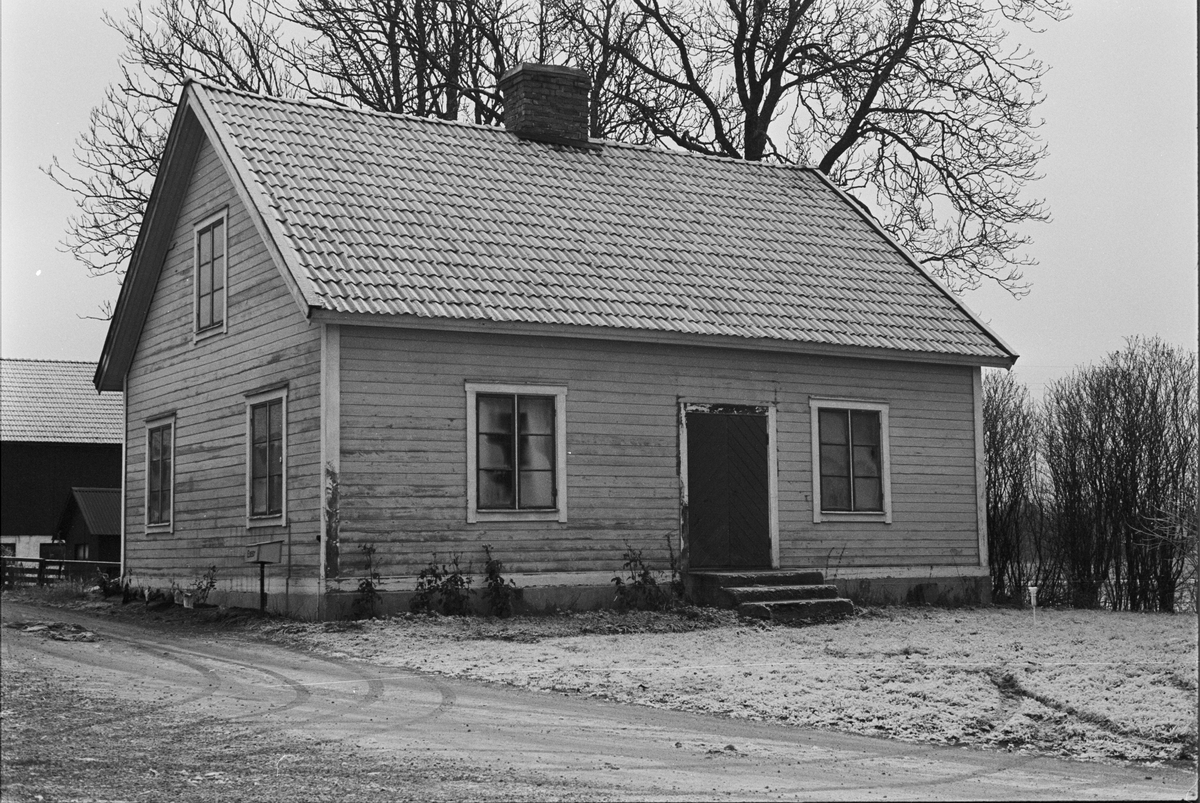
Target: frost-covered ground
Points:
(1086, 684)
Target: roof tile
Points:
(390, 214)
(55, 401)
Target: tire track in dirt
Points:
(376, 688)
(54, 650)
(160, 649)
(1013, 691)
(163, 652)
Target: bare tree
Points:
(920, 107)
(422, 57)
(425, 57)
(117, 157)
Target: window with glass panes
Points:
(210, 275)
(515, 452)
(851, 460)
(266, 458)
(158, 474)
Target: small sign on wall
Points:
(265, 552)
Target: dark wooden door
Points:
(728, 502)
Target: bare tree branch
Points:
(921, 108)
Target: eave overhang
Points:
(1000, 362)
(654, 337)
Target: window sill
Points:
(516, 515)
(207, 334)
(160, 529)
(263, 522)
(834, 515)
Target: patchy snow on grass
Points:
(1087, 684)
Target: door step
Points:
(792, 596)
(794, 611)
(738, 595)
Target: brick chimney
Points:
(547, 103)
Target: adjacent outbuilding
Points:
(57, 433)
(90, 525)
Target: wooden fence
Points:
(17, 572)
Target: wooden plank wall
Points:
(403, 446)
(267, 341)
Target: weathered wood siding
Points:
(403, 450)
(267, 342)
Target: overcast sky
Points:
(1119, 258)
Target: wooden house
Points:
(356, 331)
(57, 432)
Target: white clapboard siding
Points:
(267, 343)
(403, 450)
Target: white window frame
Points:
(199, 334)
(885, 515)
(153, 424)
(559, 392)
(273, 519)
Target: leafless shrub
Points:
(1120, 454)
(1011, 429)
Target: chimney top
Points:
(547, 103)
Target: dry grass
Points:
(1084, 684)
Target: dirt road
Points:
(592, 748)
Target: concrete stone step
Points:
(799, 610)
(765, 577)
(742, 594)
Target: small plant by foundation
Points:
(366, 600)
(499, 594)
(443, 586)
(111, 586)
(640, 589)
(203, 586)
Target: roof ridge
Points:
(327, 106)
(416, 118)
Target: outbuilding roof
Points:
(55, 401)
(377, 214)
(100, 508)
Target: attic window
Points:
(211, 274)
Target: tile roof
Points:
(100, 508)
(55, 400)
(397, 215)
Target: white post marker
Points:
(1033, 602)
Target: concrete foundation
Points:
(948, 591)
(583, 592)
(533, 601)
